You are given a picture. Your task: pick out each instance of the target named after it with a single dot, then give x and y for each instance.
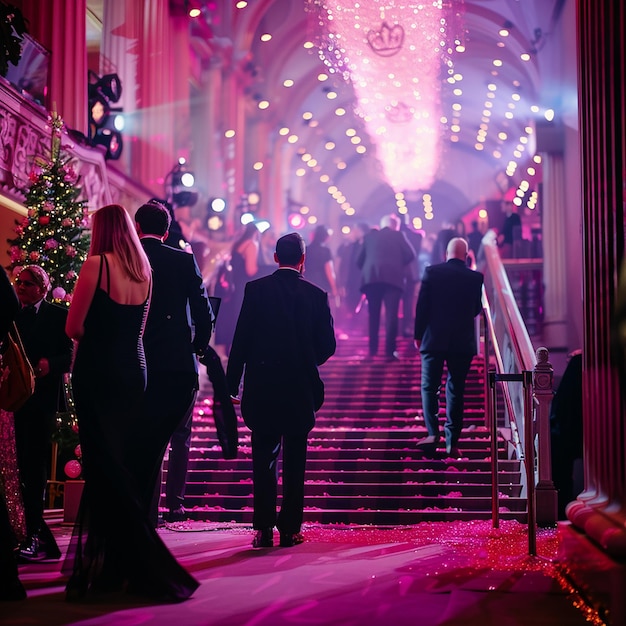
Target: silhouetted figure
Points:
(511, 230)
(319, 268)
(474, 239)
(449, 300)
(12, 524)
(349, 275)
(244, 266)
(412, 277)
(383, 258)
(177, 329)
(566, 426)
(438, 252)
(114, 547)
(284, 331)
(41, 325)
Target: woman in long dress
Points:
(114, 547)
(244, 261)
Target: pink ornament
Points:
(44, 220)
(78, 452)
(73, 469)
(51, 244)
(66, 222)
(34, 255)
(70, 251)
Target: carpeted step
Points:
(363, 464)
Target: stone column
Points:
(555, 215)
(595, 553)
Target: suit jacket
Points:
(10, 305)
(284, 331)
(448, 302)
(46, 337)
(383, 258)
(180, 317)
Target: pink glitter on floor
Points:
(430, 574)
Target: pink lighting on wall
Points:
(392, 52)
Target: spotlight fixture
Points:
(178, 185)
(104, 128)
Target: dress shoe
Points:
(454, 452)
(175, 515)
(287, 540)
(30, 550)
(264, 538)
(33, 549)
(394, 356)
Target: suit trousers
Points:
(266, 446)
(168, 401)
(377, 294)
(33, 430)
(432, 371)
(178, 461)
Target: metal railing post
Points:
(493, 429)
(529, 446)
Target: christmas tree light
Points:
(53, 234)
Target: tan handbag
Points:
(19, 382)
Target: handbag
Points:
(19, 383)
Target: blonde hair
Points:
(113, 231)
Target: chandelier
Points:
(393, 52)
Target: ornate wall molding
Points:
(24, 134)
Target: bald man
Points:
(449, 300)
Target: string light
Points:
(392, 54)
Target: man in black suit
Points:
(382, 259)
(177, 329)
(41, 326)
(448, 302)
(284, 331)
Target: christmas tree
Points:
(53, 235)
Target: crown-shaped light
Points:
(387, 41)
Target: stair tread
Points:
(363, 466)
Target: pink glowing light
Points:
(392, 52)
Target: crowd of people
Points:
(139, 323)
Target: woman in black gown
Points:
(114, 547)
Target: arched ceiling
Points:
(496, 98)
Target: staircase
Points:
(363, 466)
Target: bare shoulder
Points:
(90, 266)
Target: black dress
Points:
(114, 547)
